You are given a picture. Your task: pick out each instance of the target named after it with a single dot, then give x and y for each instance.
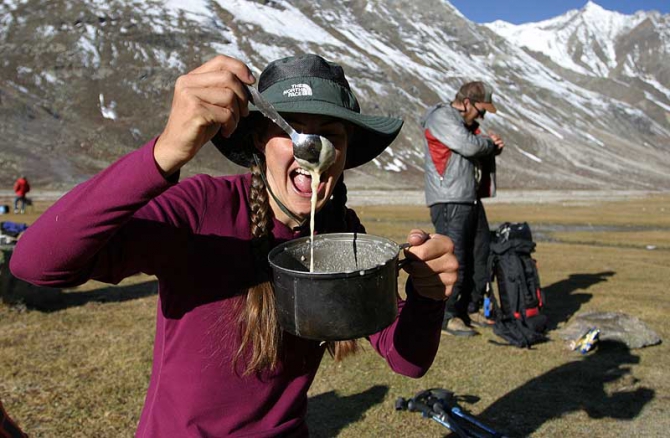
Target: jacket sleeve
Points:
(410, 344)
(452, 133)
(107, 228)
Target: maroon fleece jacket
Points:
(194, 236)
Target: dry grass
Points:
(653, 211)
(76, 363)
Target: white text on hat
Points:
(298, 90)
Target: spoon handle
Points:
(270, 112)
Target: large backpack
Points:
(518, 310)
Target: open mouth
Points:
(302, 181)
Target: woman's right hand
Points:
(211, 97)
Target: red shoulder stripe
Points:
(439, 152)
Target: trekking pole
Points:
(487, 301)
(440, 406)
(459, 413)
(427, 412)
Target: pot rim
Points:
(334, 236)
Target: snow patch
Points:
(653, 99)
(593, 139)
(108, 111)
(529, 155)
(395, 166)
(272, 20)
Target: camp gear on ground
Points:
(441, 406)
(613, 326)
(519, 317)
(587, 342)
(12, 229)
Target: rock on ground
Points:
(613, 326)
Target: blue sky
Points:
(524, 11)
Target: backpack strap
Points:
(533, 286)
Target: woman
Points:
(221, 364)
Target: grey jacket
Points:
(454, 156)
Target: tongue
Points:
(303, 183)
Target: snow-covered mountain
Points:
(584, 41)
(584, 98)
(601, 43)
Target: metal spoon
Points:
(312, 152)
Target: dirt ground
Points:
(76, 362)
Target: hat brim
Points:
(372, 136)
(488, 107)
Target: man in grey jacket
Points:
(459, 171)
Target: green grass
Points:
(80, 365)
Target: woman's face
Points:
(290, 184)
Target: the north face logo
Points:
(298, 90)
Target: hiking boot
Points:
(456, 327)
(479, 320)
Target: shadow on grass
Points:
(45, 299)
(575, 386)
(328, 413)
(563, 301)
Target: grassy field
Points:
(76, 363)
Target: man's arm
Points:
(452, 133)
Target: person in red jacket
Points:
(21, 188)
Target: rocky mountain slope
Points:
(584, 98)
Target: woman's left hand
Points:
(434, 268)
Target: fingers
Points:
(211, 97)
(225, 119)
(226, 63)
(497, 140)
(215, 106)
(220, 82)
(443, 267)
(417, 237)
(436, 287)
(434, 267)
(428, 246)
(213, 83)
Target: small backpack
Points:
(518, 312)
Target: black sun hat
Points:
(311, 85)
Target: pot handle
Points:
(404, 261)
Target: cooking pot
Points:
(352, 292)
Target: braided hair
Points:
(260, 331)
